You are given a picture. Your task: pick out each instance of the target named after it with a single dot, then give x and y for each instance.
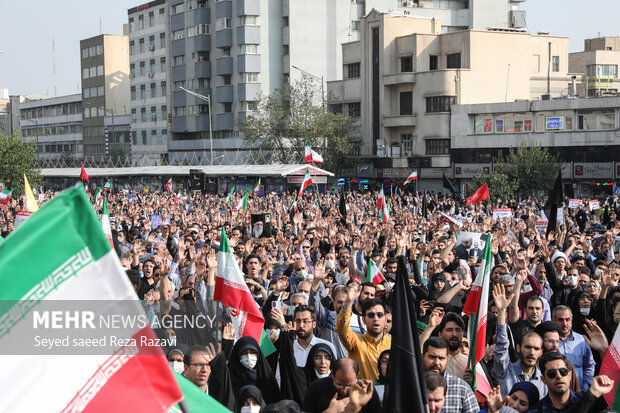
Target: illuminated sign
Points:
(554, 122)
(340, 181)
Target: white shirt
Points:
(301, 354)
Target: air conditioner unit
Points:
(151, 48)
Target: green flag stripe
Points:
(65, 227)
(197, 400)
(224, 245)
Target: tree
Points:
(291, 116)
(500, 186)
(16, 159)
(529, 167)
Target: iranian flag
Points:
(105, 223)
(99, 195)
(476, 307)
(257, 186)
(306, 182)
(232, 291)
(381, 198)
(293, 206)
(315, 207)
(311, 156)
(177, 198)
(108, 185)
(412, 177)
(74, 261)
(169, 185)
(385, 212)
(373, 274)
(5, 196)
(230, 194)
(154, 202)
(611, 369)
(243, 202)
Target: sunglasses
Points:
(551, 373)
(373, 315)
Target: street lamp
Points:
(317, 78)
(208, 100)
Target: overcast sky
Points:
(28, 28)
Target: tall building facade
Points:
(403, 76)
(149, 84)
(105, 92)
(232, 51)
(596, 68)
(54, 125)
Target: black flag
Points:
(448, 185)
(342, 206)
(407, 389)
(553, 203)
(424, 206)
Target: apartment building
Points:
(596, 67)
(105, 89)
(403, 76)
(149, 83)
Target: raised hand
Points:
(501, 301)
(495, 401)
(360, 394)
(601, 385)
(229, 332)
(595, 337)
(436, 317)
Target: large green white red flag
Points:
(63, 258)
(306, 182)
(105, 223)
(611, 369)
(380, 199)
(5, 196)
(232, 291)
(230, 194)
(373, 274)
(256, 186)
(476, 307)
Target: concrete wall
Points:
(116, 72)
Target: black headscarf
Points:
(309, 370)
(249, 391)
(382, 379)
(261, 375)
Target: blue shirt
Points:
(579, 353)
(509, 373)
(546, 406)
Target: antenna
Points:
(54, 63)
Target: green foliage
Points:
(291, 116)
(16, 159)
(500, 186)
(529, 167)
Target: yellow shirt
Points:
(364, 349)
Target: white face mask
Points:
(389, 285)
(572, 281)
(598, 273)
(303, 274)
(329, 264)
(249, 360)
(176, 366)
(250, 409)
(584, 311)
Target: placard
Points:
(594, 204)
(156, 221)
(20, 217)
(541, 226)
(574, 203)
(501, 213)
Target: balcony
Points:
(248, 35)
(224, 66)
(248, 63)
(399, 121)
(224, 94)
(398, 79)
(202, 69)
(248, 91)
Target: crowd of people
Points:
(554, 297)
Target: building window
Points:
(247, 20)
(248, 106)
(248, 49)
(162, 40)
(162, 65)
(596, 119)
(602, 70)
(224, 51)
(164, 112)
(133, 116)
(406, 64)
(132, 25)
(248, 77)
(354, 109)
(433, 62)
(178, 60)
(483, 124)
(133, 93)
(514, 122)
(162, 16)
(353, 70)
(555, 63)
(153, 114)
(179, 111)
(406, 103)
(178, 8)
(132, 48)
(355, 25)
(151, 19)
(227, 107)
(285, 50)
(163, 89)
(140, 22)
(178, 34)
(406, 144)
(179, 84)
(153, 91)
(453, 61)
(223, 23)
(227, 79)
(439, 103)
(437, 146)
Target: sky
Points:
(31, 27)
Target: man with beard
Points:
(451, 329)
(367, 292)
(305, 323)
(534, 310)
(459, 397)
(574, 346)
(557, 377)
(529, 351)
(364, 349)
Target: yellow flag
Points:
(31, 203)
